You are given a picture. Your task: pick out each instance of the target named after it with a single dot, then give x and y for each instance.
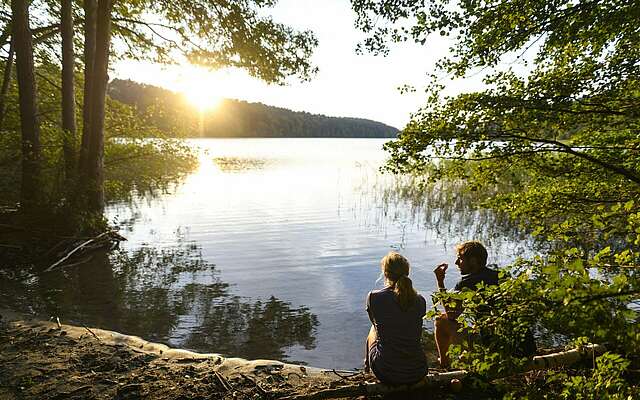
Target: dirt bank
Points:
(47, 360)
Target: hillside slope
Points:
(171, 112)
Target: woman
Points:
(394, 350)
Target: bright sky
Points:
(347, 85)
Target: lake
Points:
(267, 250)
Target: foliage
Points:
(130, 164)
(578, 99)
(171, 112)
(214, 33)
(135, 167)
(553, 144)
(560, 298)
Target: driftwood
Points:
(94, 243)
(437, 379)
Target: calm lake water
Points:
(266, 251)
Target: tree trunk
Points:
(95, 154)
(6, 82)
(89, 56)
(30, 192)
(68, 91)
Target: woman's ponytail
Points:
(405, 293)
(396, 270)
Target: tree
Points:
(68, 87)
(6, 82)
(94, 167)
(553, 144)
(580, 98)
(30, 192)
(216, 34)
(571, 120)
(89, 7)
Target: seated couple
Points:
(394, 352)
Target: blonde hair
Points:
(396, 272)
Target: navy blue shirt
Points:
(397, 355)
(470, 281)
(521, 347)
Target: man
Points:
(472, 263)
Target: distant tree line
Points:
(170, 111)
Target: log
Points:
(563, 358)
(436, 379)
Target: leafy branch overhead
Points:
(213, 33)
(217, 34)
(579, 97)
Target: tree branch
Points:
(568, 149)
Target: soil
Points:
(45, 360)
(48, 360)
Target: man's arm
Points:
(440, 272)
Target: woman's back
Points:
(397, 355)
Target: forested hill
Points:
(171, 112)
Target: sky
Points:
(347, 85)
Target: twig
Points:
(223, 381)
(12, 359)
(12, 227)
(345, 377)
(74, 391)
(261, 390)
(91, 332)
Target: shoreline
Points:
(41, 357)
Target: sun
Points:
(202, 88)
(203, 97)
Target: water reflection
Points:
(169, 295)
(240, 164)
(296, 229)
(258, 330)
(446, 211)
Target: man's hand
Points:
(440, 272)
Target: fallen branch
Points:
(75, 250)
(437, 379)
(86, 246)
